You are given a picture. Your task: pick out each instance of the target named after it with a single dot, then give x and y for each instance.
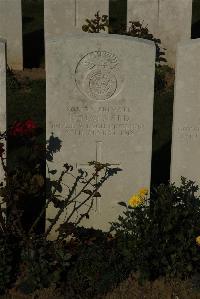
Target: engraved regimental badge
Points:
(98, 75)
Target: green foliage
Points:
(96, 267)
(5, 265)
(25, 185)
(160, 236)
(45, 262)
(97, 24)
(136, 29)
(9, 261)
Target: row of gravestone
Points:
(99, 102)
(169, 20)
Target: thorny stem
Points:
(67, 202)
(89, 209)
(82, 203)
(47, 203)
(88, 182)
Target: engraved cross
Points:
(98, 158)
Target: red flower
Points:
(22, 128)
(16, 129)
(30, 125)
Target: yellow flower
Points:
(198, 240)
(143, 192)
(134, 201)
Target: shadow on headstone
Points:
(54, 145)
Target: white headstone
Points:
(11, 30)
(67, 16)
(186, 117)
(144, 11)
(175, 19)
(168, 20)
(2, 98)
(100, 91)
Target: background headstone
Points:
(186, 116)
(2, 97)
(11, 30)
(67, 16)
(100, 91)
(144, 11)
(168, 20)
(175, 21)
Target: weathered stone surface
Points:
(2, 96)
(175, 18)
(11, 30)
(144, 11)
(100, 104)
(169, 20)
(186, 119)
(67, 16)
